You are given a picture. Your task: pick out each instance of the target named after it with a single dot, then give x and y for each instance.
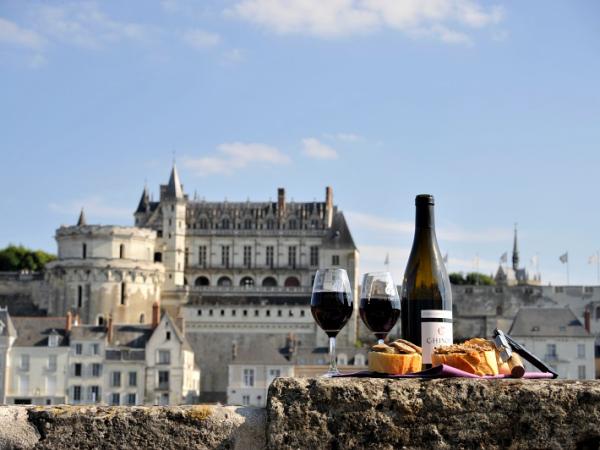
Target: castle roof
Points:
(81, 222)
(144, 204)
(339, 236)
(174, 188)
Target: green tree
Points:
(471, 278)
(16, 258)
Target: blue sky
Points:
(494, 107)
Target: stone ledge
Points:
(432, 414)
(174, 427)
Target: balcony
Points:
(251, 289)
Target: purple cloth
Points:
(442, 371)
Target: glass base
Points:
(331, 374)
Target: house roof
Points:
(259, 351)
(34, 331)
(85, 332)
(7, 327)
(554, 322)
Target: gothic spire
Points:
(81, 222)
(174, 188)
(144, 201)
(515, 255)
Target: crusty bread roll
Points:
(476, 356)
(400, 357)
(393, 363)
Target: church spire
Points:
(515, 255)
(174, 188)
(81, 222)
(144, 201)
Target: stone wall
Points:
(334, 414)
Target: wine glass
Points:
(331, 307)
(379, 303)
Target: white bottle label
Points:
(435, 331)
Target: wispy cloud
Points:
(201, 39)
(449, 233)
(441, 20)
(344, 137)
(96, 207)
(83, 24)
(314, 148)
(13, 34)
(234, 156)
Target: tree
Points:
(471, 278)
(16, 258)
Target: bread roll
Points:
(477, 358)
(395, 364)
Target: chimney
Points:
(280, 201)
(329, 206)
(69, 323)
(155, 314)
(109, 334)
(76, 320)
(586, 319)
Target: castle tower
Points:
(173, 204)
(515, 255)
(143, 206)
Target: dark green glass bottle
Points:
(426, 299)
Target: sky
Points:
(492, 107)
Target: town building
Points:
(557, 337)
(52, 360)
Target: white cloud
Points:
(448, 233)
(201, 39)
(344, 137)
(234, 156)
(417, 18)
(233, 56)
(13, 34)
(313, 148)
(85, 25)
(94, 207)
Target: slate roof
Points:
(34, 331)
(260, 351)
(551, 322)
(131, 336)
(84, 332)
(339, 236)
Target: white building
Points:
(37, 361)
(556, 336)
(54, 360)
(251, 372)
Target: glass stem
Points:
(380, 341)
(332, 360)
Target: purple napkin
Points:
(442, 371)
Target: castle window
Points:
(335, 260)
(121, 251)
(233, 312)
(291, 313)
(222, 312)
(158, 257)
(279, 313)
(199, 312)
(291, 282)
(499, 310)
(123, 289)
(270, 252)
(256, 313)
(270, 224)
(268, 313)
(247, 256)
(598, 312)
(225, 223)
(210, 312)
(202, 256)
(269, 282)
(100, 320)
(159, 233)
(245, 313)
(302, 313)
(247, 281)
(203, 224)
(292, 250)
(79, 296)
(170, 222)
(314, 255)
(186, 256)
(84, 251)
(225, 255)
(293, 224)
(172, 208)
(142, 318)
(247, 224)
(202, 281)
(224, 281)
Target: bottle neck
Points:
(424, 217)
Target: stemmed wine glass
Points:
(379, 303)
(331, 307)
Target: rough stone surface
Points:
(70, 427)
(436, 414)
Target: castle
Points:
(242, 271)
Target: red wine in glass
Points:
(379, 304)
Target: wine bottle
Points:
(426, 299)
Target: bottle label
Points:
(436, 330)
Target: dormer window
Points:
(53, 340)
(168, 336)
(225, 223)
